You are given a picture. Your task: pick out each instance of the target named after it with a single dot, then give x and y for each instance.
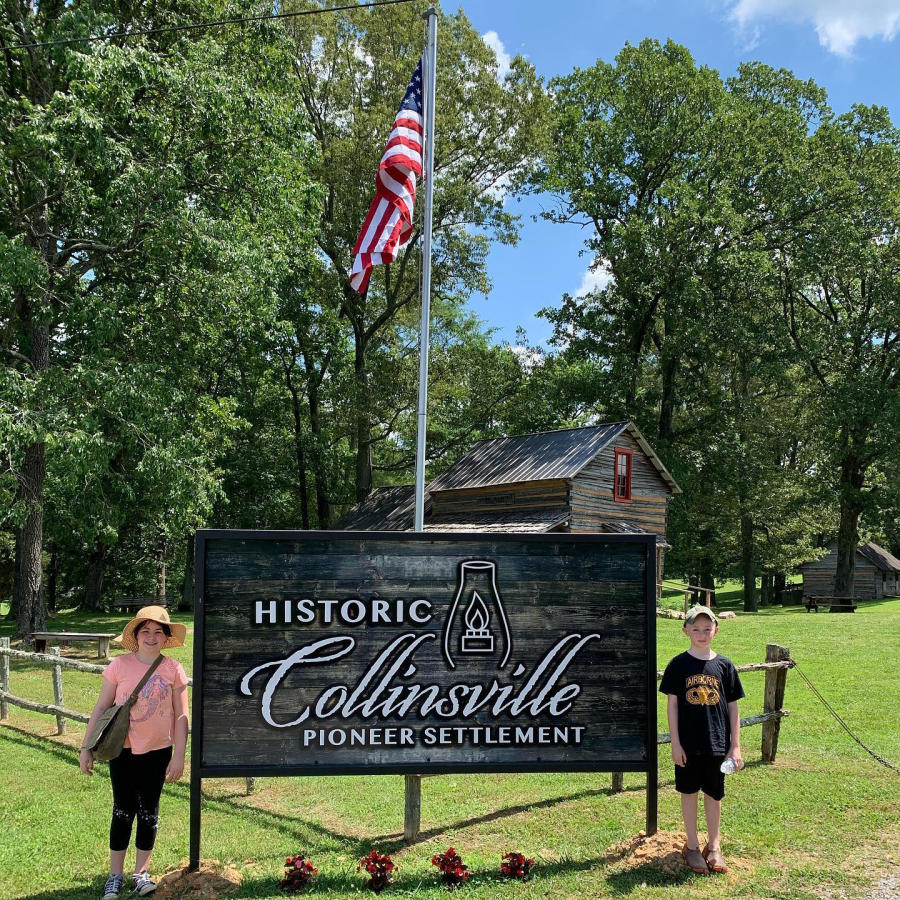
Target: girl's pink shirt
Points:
(153, 714)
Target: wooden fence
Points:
(778, 661)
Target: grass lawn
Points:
(822, 822)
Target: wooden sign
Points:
(340, 652)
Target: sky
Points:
(854, 53)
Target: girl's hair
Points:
(166, 630)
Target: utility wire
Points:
(220, 23)
(842, 723)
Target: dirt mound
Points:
(662, 851)
(211, 880)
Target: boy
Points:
(703, 689)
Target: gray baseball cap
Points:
(699, 610)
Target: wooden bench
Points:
(64, 638)
(811, 603)
(128, 604)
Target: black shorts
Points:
(701, 773)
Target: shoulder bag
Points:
(107, 738)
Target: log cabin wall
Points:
(818, 577)
(525, 496)
(591, 494)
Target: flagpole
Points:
(430, 79)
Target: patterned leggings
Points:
(137, 782)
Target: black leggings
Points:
(137, 782)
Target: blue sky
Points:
(847, 46)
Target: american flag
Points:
(388, 224)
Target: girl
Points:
(154, 748)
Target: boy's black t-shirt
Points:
(704, 688)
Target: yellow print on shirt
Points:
(703, 690)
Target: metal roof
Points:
(385, 509)
(623, 527)
(544, 456)
(879, 557)
(392, 508)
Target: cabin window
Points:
(622, 480)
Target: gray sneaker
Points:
(113, 887)
(143, 884)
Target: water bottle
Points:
(728, 767)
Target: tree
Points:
(140, 182)
(351, 73)
(689, 184)
(839, 286)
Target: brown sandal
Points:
(715, 860)
(694, 860)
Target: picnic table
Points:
(64, 638)
(126, 604)
(834, 604)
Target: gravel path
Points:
(888, 888)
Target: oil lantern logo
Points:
(476, 624)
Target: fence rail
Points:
(778, 661)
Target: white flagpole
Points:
(430, 79)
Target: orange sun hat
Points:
(156, 614)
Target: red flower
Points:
(453, 872)
(515, 865)
(380, 868)
(299, 874)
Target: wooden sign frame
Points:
(280, 627)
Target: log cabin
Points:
(876, 573)
(598, 478)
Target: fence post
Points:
(4, 677)
(250, 785)
(773, 699)
(618, 782)
(58, 692)
(412, 811)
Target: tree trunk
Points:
(187, 590)
(851, 481)
(780, 585)
(93, 585)
(668, 372)
(161, 555)
(748, 570)
(707, 581)
(363, 429)
(52, 579)
(299, 451)
(767, 590)
(323, 506)
(31, 614)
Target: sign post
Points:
(326, 653)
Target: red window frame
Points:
(624, 458)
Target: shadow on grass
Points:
(311, 834)
(393, 841)
(647, 875)
(325, 885)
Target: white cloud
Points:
(595, 278)
(530, 358)
(492, 39)
(838, 23)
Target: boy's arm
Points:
(734, 719)
(678, 754)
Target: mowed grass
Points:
(821, 822)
